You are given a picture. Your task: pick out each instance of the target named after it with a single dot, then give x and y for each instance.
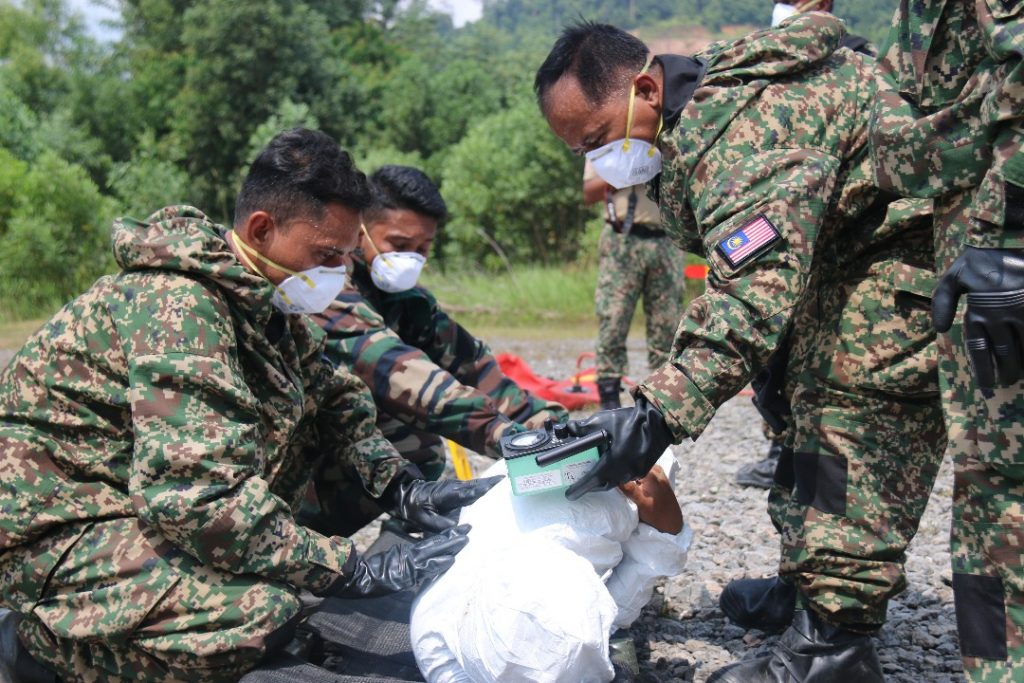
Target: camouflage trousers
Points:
(986, 443)
(630, 267)
(866, 433)
(125, 604)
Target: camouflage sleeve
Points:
(347, 423)
(409, 385)
(759, 219)
(198, 444)
(999, 202)
(473, 364)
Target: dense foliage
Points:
(174, 109)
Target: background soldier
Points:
(948, 124)
(156, 432)
(429, 377)
(635, 258)
(765, 171)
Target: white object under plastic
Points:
(781, 12)
(542, 584)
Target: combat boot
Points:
(764, 604)
(810, 651)
(761, 473)
(608, 391)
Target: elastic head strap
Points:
(246, 249)
(374, 244)
(629, 110)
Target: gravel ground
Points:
(682, 635)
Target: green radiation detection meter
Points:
(549, 459)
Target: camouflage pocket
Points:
(108, 581)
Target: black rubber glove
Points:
(401, 566)
(993, 280)
(430, 504)
(638, 437)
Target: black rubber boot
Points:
(608, 391)
(761, 473)
(764, 604)
(810, 651)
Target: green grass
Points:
(527, 297)
(14, 334)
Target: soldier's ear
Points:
(258, 230)
(648, 89)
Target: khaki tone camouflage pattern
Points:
(948, 123)
(778, 127)
(868, 436)
(171, 398)
(950, 109)
(430, 379)
(629, 267)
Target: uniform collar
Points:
(680, 77)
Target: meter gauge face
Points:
(528, 440)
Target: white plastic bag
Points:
(526, 600)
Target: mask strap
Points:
(374, 244)
(629, 110)
(246, 249)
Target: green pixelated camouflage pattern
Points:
(778, 126)
(986, 444)
(425, 370)
(949, 114)
(630, 267)
(868, 436)
(173, 393)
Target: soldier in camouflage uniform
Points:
(156, 433)
(948, 124)
(635, 258)
(766, 172)
(429, 377)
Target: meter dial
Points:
(527, 440)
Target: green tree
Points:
(148, 181)
(57, 238)
(514, 191)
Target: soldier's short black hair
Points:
(297, 174)
(600, 56)
(404, 187)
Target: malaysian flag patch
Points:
(749, 240)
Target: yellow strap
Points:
(374, 244)
(629, 114)
(238, 242)
(460, 462)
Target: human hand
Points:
(430, 504)
(993, 280)
(655, 500)
(401, 566)
(637, 438)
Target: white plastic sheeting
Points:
(541, 586)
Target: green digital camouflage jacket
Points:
(426, 370)
(949, 115)
(175, 392)
(766, 173)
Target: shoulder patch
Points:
(751, 239)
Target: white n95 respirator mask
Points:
(396, 271)
(629, 161)
(307, 291)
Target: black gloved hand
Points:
(638, 437)
(426, 503)
(401, 566)
(993, 280)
